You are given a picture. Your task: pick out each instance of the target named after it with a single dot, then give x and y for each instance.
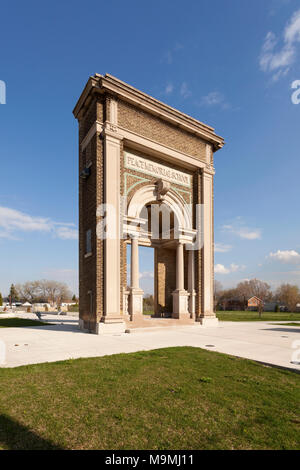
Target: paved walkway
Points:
(261, 341)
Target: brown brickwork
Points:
(153, 127)
(90, 196)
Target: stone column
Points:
(136, 294)
(112, 144)
(180, 295)
(191, 283)
(179, 267)
(207, 316)
(134, 262)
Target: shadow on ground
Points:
(284, 330)
(16, 436)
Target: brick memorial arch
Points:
(146, 179)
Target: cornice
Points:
(100, 84)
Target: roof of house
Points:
(254, 297)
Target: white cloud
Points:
(169, 88)
(222, 248)
(146, 275)
(13, 221)
(168, 55)
(214, 98)
(67, 233)
(220, 269)
(243, 232)
(279, 62)
(286, 256)
(233, 268)
(184, 90)
(249, 234)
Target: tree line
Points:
(41, 291)
(286, 294)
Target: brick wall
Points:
(90, 195)
(155, 128)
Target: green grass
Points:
(254, 316)
(174, 398)
(19, 322)
(73, 308)
(148, 312)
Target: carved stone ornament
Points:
(162, 187)
(111, 127)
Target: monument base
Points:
(180, 304)
(208, 321)
(106, 326)
(135, 302)
(110, 328)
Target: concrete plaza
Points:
(268, 342)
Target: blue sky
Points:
(228, 63)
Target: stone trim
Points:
(99, 83)
(145, 145)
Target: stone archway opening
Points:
(146, 275)
(163, 223)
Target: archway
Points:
(157, 216)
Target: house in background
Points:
(254, 303)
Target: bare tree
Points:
(289, 295)
(226, 297)
(218, 289)
(28, 291)
(44, 291)
(254, 287)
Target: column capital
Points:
(134, 235)
(111, 131)
(208, 170)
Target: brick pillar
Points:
(207, 315)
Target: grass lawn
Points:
(19, 322)
(174, 398)
(148, 312)
(73, 308)
(254, 316)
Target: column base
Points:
(135, 302)
(208, 321)
(112, 318)
(105, 326)
(192, 303)
(82, 326)
(136, 317)
(110, 328)
(180, 304)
